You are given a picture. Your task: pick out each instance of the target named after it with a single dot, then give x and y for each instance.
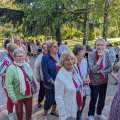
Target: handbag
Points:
(86, 90)
(32, 83)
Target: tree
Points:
(42, 14)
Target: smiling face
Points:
(100, 45)
(19, 58)
(69, 62)
(80, 55)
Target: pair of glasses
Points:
(19, 56)
(55, 46)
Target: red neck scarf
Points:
(78, 95)
(43, 53)
(56, 63)
(102, 78)
(11, 56)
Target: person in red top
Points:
(100, 66)
(4, 64)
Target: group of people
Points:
(65, 80)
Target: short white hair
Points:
(18, 51)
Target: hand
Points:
(100, 54)
(98, 72)
(52, 82)
(38, 80)
(14, 101)
(86, 81)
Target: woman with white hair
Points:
(20, 84)
(68, 88)
(4, 64)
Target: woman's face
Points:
(44, 48)
(80, 55)
(68, 63)
(19, 58)
(100, 46)
(54, 48)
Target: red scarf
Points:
(102, 78)
(78, 95)
(56, 63)
(43, 53)
(11, 56)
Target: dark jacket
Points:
(49, 70)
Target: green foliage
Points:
(98, 32)
(92, 32)
(113, 32)
(69, 33)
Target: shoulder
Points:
(46, 56)
(11, 68)
(61, 75)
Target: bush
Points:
(92, 32)
(113, 32)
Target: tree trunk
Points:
(58, 35)
(105, 22)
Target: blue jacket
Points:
(49, 70)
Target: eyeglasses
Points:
(19, 56)
(55, 46)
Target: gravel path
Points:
(37, 113)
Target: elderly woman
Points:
(50, 67)
(4, 64)
(39, 74)
(82, 68)
(100, 66)
(21, 46)
(19, 77)
(68, 88)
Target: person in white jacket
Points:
(39, 74)
(68, 88)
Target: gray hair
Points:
(78, 48)
(18, 51)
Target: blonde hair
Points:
(65, 54)
(100, 39)
(50, 44)
(11, 47)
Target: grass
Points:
(71, 43)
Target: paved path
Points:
(37, 113)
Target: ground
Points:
(37, 113)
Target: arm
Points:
(2, 69)
(2, 74)
(92, 65)
(45, 71)
(59, 93)
(37, 69)
(109, 68)
(9, 84)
